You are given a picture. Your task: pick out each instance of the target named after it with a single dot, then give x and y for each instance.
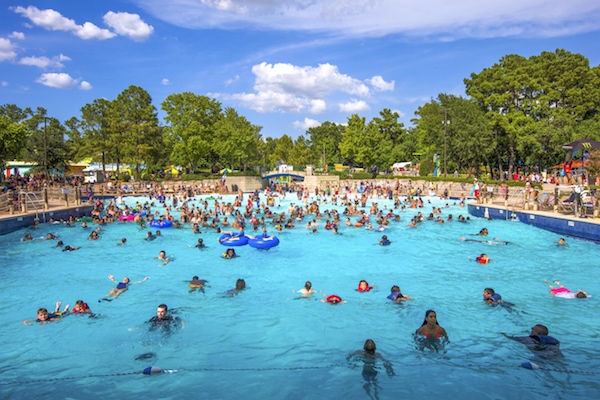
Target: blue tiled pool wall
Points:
(17, 222)
(569, 227)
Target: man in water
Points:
(539, 342)
(369, 356)
(163, 320)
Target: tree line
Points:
(515, 115)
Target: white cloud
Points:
(226, 5)
(91, 31)
(307, 123)
(62, 81)
(165, 81)
(44, 62)
(130, 25)
(54, 21)
(292, 88)
(381, 85)
(270, 101)
(4, 84)
(318, 106)
(232, 80)
(308, 81)
(447, 20)
(7, 50)
(354, 106)
(17, 35)
(400, 113)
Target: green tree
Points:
(391, 137)
(46, 145)
(237, 140)
(13, 139)
(136, 119)
(280, 149)
(95, 131)
(360, 142)
(301, 153)
(191, 123)
(324, 142)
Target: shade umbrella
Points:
(578, 146)
(582, 144)
(225, 171)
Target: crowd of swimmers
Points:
(259, 214)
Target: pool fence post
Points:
(45, 196)
(23, 200)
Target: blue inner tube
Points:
(160, 224)
(228, 240)
(263, 243)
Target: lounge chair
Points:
(546, 201)
(568, 204)
(588, 201)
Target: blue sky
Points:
(286, 65)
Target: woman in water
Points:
(430, 327)
(306, 291)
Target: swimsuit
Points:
(122, 285)
(555, 291)
(427, 334)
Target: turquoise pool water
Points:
(266, 342)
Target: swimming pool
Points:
(266, 342)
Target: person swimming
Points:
(539, 342)
(368, 355)
(164, 321)
(229, 253)
(561, 291)
(430, 328)
(384, 241)
(363, 286)
(43, 316)
(307, 290)
(120, 288)
(483, 259)
(332, 299)
(240, 285)
(397, 296)
(81, 307)
(197, 284)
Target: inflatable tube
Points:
(160, 224)
(126, 217)
(263, 243)
(228, 240)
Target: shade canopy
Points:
(582, 144)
